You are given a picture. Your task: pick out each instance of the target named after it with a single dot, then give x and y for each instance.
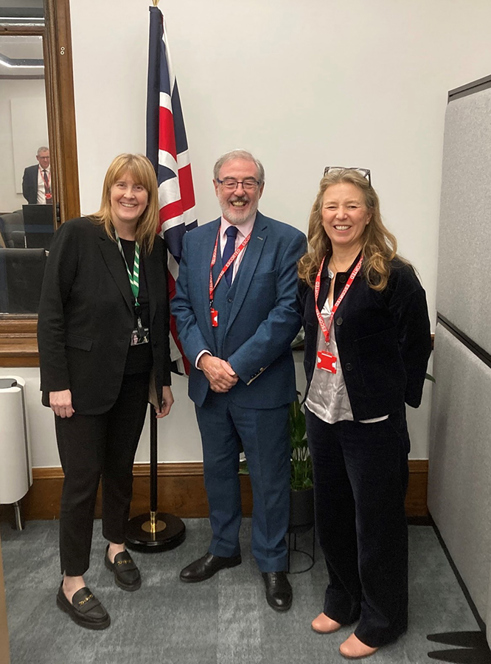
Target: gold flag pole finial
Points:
(155, 2)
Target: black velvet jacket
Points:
(383, 339)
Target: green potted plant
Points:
(301, 479)
(301, 483)
(301, 463)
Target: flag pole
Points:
(167, 149)
(154, 531)
(159, 531)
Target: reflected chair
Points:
(21, 278)
(38, 225)
(12, 229)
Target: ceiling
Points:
(21, 55)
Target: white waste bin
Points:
(15, 456)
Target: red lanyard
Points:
(325, 328)
(227, 264)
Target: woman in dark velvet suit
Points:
(103, 336)
(367, 343)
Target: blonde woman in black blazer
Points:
(102, 340)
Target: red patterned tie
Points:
(47, 188)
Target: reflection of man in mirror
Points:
(36, 183)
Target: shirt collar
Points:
(243, 230)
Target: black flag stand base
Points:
(154, 531)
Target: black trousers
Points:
(360, 482)
(91, 447)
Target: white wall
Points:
(302, 85)
(178, 437)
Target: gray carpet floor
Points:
(224, 620)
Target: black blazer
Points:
(86, 316)
(383, 339)
(30, 184)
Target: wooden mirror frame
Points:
(18, 344)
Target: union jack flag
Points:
(167, 149)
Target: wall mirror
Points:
(36, 111)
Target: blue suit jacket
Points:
(264, 317)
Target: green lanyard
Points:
(135, 277)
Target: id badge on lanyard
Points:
(214, 317)
(140, 335)
(326, 360)
(228, 264)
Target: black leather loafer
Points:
(205, 567)
(278, 590)
(126, 573)
(84, 609)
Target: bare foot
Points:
(325, 625)
(353, 648)
(71, 584)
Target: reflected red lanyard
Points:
(325, 328)
(239, 249)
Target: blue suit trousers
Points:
(265, 439)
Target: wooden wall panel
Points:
(417, 491)
(181, 491)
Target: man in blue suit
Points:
(236, 316)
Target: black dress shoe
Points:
(126, 573)
(278, 590)
(205, 567)
(84, 609)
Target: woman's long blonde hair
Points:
(379, 246)
(143, 173)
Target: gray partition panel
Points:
(464, 263)
(459, 483)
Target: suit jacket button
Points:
(348, 367)
(342, 279)
(339, 321)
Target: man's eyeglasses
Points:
(249, 184)
(363, 171)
